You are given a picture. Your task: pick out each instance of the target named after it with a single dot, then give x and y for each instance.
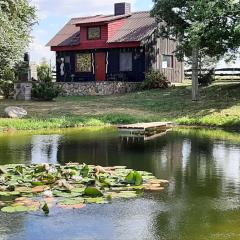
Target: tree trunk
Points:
(195, 92)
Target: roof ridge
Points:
(109, 15)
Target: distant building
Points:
(119, 47)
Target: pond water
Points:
(202, 201)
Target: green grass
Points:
(219, 107)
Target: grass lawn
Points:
(219, 107)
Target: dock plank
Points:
(144, 126)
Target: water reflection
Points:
(45, 148)
(202, 202)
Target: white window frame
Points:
(165, 64)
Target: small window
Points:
(167, 61)
(84, 62)
(126, 62)
(94, 33)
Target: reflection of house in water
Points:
(45, 148)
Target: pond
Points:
(202, 201)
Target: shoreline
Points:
(96, 125)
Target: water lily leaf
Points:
(66, 194)
(19, 208)
(134, 178)
(24, 189)
(130, 178)
(78, 190)
(9, 194)
(138, 178)
(37, 183)
(124, 194)
(97, 200)
(84, 171)
(39, 169)
(71, 201)
(93, 192)
(2, 171)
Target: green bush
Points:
(7, 82)
(43, 70)
(207, 79)
(155, 79)
(45, 90)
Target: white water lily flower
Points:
(48, 194)
(77, 178)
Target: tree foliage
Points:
(16, 20)
(211, 25)
(7, 82)
(202, 27)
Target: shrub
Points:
(43, 70)
(45, 90)
(155, 79)
(7, 82)
(207, 79)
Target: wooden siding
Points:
(155, 49)
(85, 43)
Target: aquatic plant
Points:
(27, 188)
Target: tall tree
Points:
(209, 27)
(16, 20)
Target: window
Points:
(84, 62)
(126, 62)
(94, 33)
(167, 61)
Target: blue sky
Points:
(53, 14)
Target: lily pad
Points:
(10, 194)
(125, 194)
(93, 192)
(19, 208)
(71, 201)
(66, 194)
(134, 178)
(97, 200)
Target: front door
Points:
(100, 59)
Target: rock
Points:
(15, 112)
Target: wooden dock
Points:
(146, 131)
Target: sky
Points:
(54, 14)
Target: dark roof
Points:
(101, 18)
(138, 26)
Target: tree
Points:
(202, 27)
(17, 18)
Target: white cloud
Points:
(39, 51)
(71, 8)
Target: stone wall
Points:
(97, 88)
(22, 91)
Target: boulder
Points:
(15, 112)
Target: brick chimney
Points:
(122, 8)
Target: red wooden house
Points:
(119, 47)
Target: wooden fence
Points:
(225, 72)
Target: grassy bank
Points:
(219, 107)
